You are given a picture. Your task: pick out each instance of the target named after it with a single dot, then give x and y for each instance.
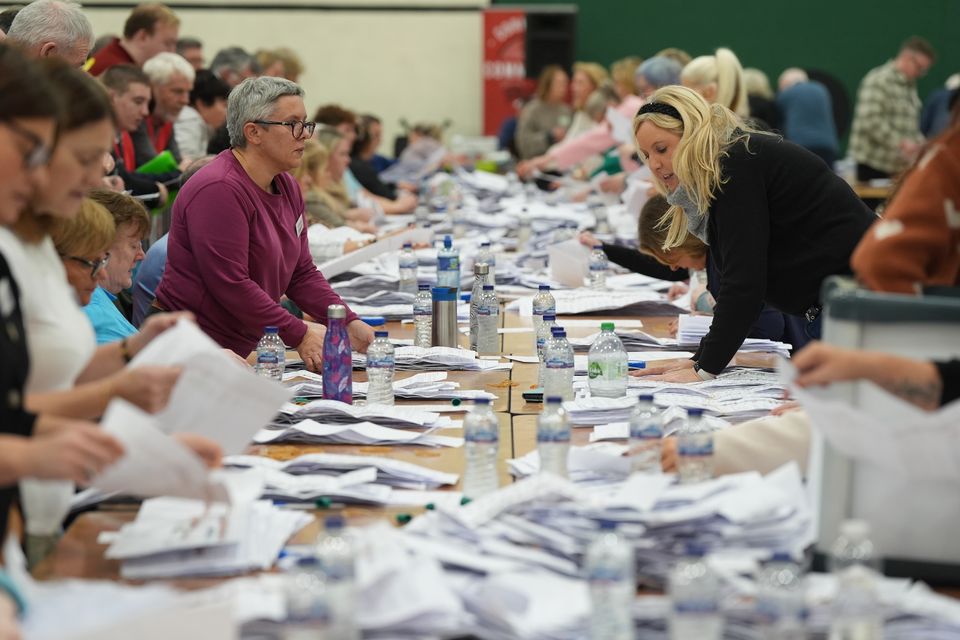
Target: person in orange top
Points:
(917, 241)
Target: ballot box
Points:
(915, 521)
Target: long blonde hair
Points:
(706, 132)
(722, 70)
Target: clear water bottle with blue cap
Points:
(857, 610)
(553, 437)
(695, 449)
(481, 434)
(480, 271)
(271, 355)
(337, 555)
(781, 599)
(408, 269)
(448, 264)
(486, 256)
(488, 321)
(598, 266)
(423, 316)
(609, 568)
(543, 303)
(646, 436)
(381, 365)
(695, 598)
(559, 367)
(307, 601)
(524, 230)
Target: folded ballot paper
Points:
(395, 473)
(432, 385)
(174, 537)
(361, 433)
(436, 359)
(336, 412)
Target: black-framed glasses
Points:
(96, 266)
(39, 153)
(297, 127)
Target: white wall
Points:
(418, 65)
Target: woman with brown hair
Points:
(545, 119)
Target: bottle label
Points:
(480, 436)
(553, 436)
(409, 264)
(695, 606)
(381, 363)
(554, 363)
(598, 266)
(268, 357)
(448, 263)
(486, 310)
(607, 575)
(422, 311)
(694, 448)
(646, 432)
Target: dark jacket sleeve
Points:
(641, 263)
(950, 376)
(367, 176)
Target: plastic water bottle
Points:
(408, 269)
(307, 601)
(423, 316)
(487, 257)
(337, 357)
(598, 268)
(524, 229)
(599, 211)
(543, 335)
(421, 214)
(448, 264)
(480, 271)
(558, 376)
(781, 601)
(646, 436)
(380, 369)
(271, 355)
(856, 610)
(607, 364)
(543, 303)
(337, 558)
(481, 435)
(695, 598)
(609, 569)
(553, 437)
(694, 449)
(488, 320)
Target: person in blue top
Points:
(133, 224)
(807, 114)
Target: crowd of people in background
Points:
(248, 182)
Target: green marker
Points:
(404, 518)
(324, 503)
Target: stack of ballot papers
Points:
(578, 301)
(602, 462)
(691, 329)
(436, 359)
(395, 473)
(671, 417)
(422, 386)
(336, 412)
(361, 433)
(176, 537)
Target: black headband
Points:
(661, 108)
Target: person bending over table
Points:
(776, 218)
(238, 240)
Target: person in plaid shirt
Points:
(886, 137)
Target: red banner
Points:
(505, 86)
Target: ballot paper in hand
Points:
(215, 397)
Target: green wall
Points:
(844, 37)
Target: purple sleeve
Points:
(309, 289)
(219, 232)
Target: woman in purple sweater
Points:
(238, 241)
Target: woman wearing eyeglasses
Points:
(238, 240)
(83, 242)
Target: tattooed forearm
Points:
(923, 393)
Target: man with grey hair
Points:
(171, 79)
(807, 114)
(238, 241)
(233, 65)
(53, 28)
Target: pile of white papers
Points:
(422, 386)
(577, 301)
(672, 418)
(175, 537)
(437, 359)
(603, 462)
(336, 412)
(362, 433)
(395, 473)
(691, 329)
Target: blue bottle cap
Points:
(333, 522)
(607, 525)
(781, 556)
(374, 321)
(598, 246)
(444, 294)
(544, 287)
(447, 242)
(423, 286)
(484, 244)
(694, 550)
(408, 245)
(646, 397)
(488, 287)
(271, 330)
(554, 400)
(380, 334)
(482, 401)
(694, 413)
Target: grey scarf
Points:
(696, 220)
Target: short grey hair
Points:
(255, 99)
(660, 71)
(234, 59)
(162, 67)
(60, 22)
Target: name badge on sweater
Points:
(300, 224)
(7, 304)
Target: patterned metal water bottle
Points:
(337, 357)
